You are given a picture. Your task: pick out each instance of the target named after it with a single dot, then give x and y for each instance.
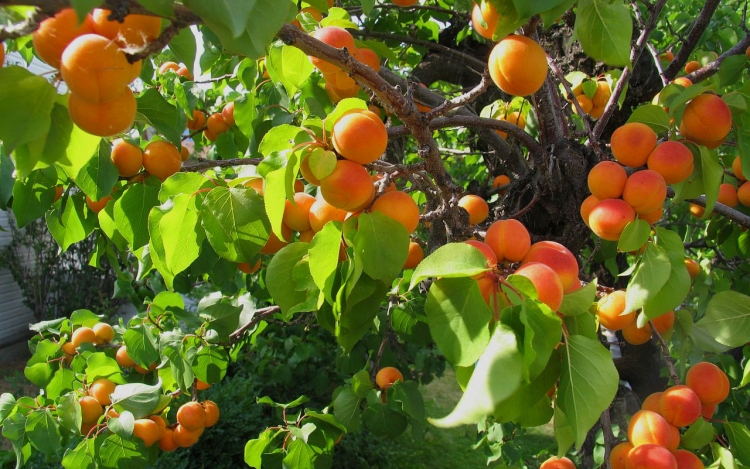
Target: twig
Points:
(389, 6)
(609, 438)
(713, 67)
(687, 47)
(153, 47)
(665, 353)
(206, 164)
(466, 98)
(260, 314)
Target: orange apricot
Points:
(680, 406)
(585, 104)
(360, 136)
(69, 348)
(166, 442)
(737, 169)
(509, 239)
(683, 81)
(692, 66)
(697, 210)
(692, 267)
(183, 71)
(160, 423)
(743, 194)
(706, 120)
(664, 323)
(348, 186)
(54, 34)
(399, 206)
(103, 119)
(387, 376)
(123, 359)
(518, 65)
(652, 402)
(708, 381)
(557, 463)
(602, 94)
(415, 256)
(83, 335)
(370, 58)
(487, 251)
(404, 3)
(321, 212)
(647, 427)
(274, 244)
(58, 193)
(652, 217)
(198, 121)
(335, 37)
(245, 268)
(212, 413)
(161, 159)
(97, 206)
(307, 236)
(515, 118)
(608, 218)
(91, 409)
(168, 65)
(184, 438)
(632, 143)
(606, 180)
(708, 410)
(210, 136)
(127, 157)
(147, 430)
(673, 160)
(547, 283)
(227, 113)
(728, 195)
(134, 31)
(587, 206)
(297, 213)
(687, 460)
(215, 123)
(558, 258)
(312, 11)
(668, 56)
(619, 454)
(104, 333)
(501, 180)
(101, 389)
(650, 456)
(476, 206)
(257, 184)
(609, 311)
(645, 191)
(191, 415)
(635, 335)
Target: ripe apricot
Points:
(668, 56)
(191, 415)
(167, 442)
(147, 430)
(54, 34)
(692, 267)
(212, 413)
(706, 120)
(101, 389)
(161, 424)
(168, 65)
(334, 37)
(692, 66)
(399, 206)
(647, 427)
(476, 206)
(606, 180)
(515, 118)
(632, 143)
(743, 194)
(97, 206)
(737, 169)
(609, 310)
(602, 94)
(708, 381)
(297, 214)
(314, 12)
(415, 256)
(518, 65)
(161, 159)
(144, 371)
(635, 335)
(697, 210)
(650, 456)
(645, 191)
(652, 217)
(183, 71)
(501, 180)
(377, 177)
(184, 437)
(708, 410)
(404, 3)
(585, 104)
(673, 160)
(487, 251)
(547, 283)
(387, 376)
(104, 333)
(123, 359)
(83, 335)
(367, 203)
(321, 212)
(370, 58)
(558, 258)
(608, 218)
(652, 402)
(664, 323)
(135, 31)
(307, 236)
(198, 121)
(227, 113)
(184, 153)
(274, 244)
(619, 454)
(348, 186)
(509, 239)
(486, 13)
(215, 124)
(587, 206)
(69, 348)
(683, 81)
(728, 195)
(360, 136)
(680, 406)
(58, 193)
(557, 463)
(245, 268)
(103, 119)
(91, 409)
(687, 460)
(127, 157)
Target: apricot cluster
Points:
(192, 419)
(743, 192)
(654, 431)
(610, 309)
(592, 106)
(215, 124)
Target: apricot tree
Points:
(527, 188)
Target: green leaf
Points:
(653, 116)
(383, 421)
(542, 329)
(739, 440)
(122, 425)
(220, 316)
(211, 364)
(713, 173)
(497, 375)
(346, 409)
(98, 176)
(650, 276)
(80, 147)
(254, 449)
(674, 291)
(80, 457)
(115, 452)
(604, 29)
(163, 8)
(288, 65)
(408, 399)
(73, 225)
(7, 403)
(33, 196)
(564, 434)
(26, 101)
(358, 309)
(299, 455)
(49, 148)
(382, 244)
(528, 394)
(458, 318)
(142, 345)
(727, 318)
(42, 431)
(139, 399)
(529, 8)
(324, 258)
(343, 106)
(7, 179)
(69, 412)
(450, 261)
(634, 236)
(131, 213)
(180, 183)
(279, 273)
(588, 384)
(698, 435)
(578, 302)
(164, 117)
(732, 69)
(361, 384)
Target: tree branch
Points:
(466, 98)
(206, 164)
(713, 67)
(389, 6)
(260, 314)
(687, 47)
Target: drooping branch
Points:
(713, 67)
(686, 48)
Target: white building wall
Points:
(14, 316)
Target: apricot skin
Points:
(606, 180)
(609, 308)
(650, 456)
(477, 208)
(334, 37)
(297, 214)
(673, 160)
(547, 283)
(557, 463)
(608, 218)
(708, 381)
(706, 120)
(680, 406)
(54, 34)
(687, 460)
(632, 143)
(619, 455)
(509, 239)
(558, 258)
(490, 19)
(415, 256)
(360, 136)
(586, 206)
(645, 191)
(647, 427)
(518, 65)
(635, 335)
(386, 376)
(399, 206)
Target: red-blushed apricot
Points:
(708, 381)
(134, 31)
(59, 189)
(360, 136)
(487, 14)
(587, 206)
(487, 251)
(399, 206)
(650, 456)
(609, 309)
(547, 283)
(708, 410)
(246, 268)
(101, 389)
(509, 239)
(147, 430)
(321, 212)
(632, 143)
(743, 194)
(161, 159)
(104, 333)
(103, 119)
(645, 191)
(348, 186)
(652, 402)
(370, 58)
(692, 66)
(737, 169)
(184, 437)
(274, 244)
(518, 65)
(692, 267)
(664, 323)
(515, 118)
(606, 180)
(404, 3)
(476, 206)
(680, 406)
(123, 359)
(674, 441)
(501, 180)
(728, 195)
(91, 409)
(557, 463)
(619, 454)
(673, 160)
(297, 214)
(558, 258)
(706, 120)
(54, 34)
(198, 121)
(368, 201)
(83, 335)
(415, 256)
(647, 427)
(608, 218)
(212, 413)
(128, 158)
(491, 292)
(191, 415)
(334, 37)
(635, 335)
(386, 376)
(687, 460)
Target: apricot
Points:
(360, 136)
(743, 194)
(144, 371)
(215, 124)
(708, 381)
(387, 376)
(274, 244)
(635, 335)
(415, 256)
(184, 437)
(160, 423)
(647, 427)
(558, 258)
(737, 169)
(83, 335)
(212, 413)
(547, 283)
(609, 310)
(652, 217)
(557, 463)
(91, 409)
(673, 160)
(618, 455)
(728, 195)
(587, 206)
(652, 402)
(103, 119)
(297, 213)
(509, 239)
(683, 81)
(708, 410)
(687, 460)
(335, 37)
(184, 72)
(198, 121)
(487, 251)
(645, 191)
(602, 94)
(166, 442)
(650, 456)
(664, 323)
(490, 291)
(97, 206)
(307, 236)
(518, 65)
(69, 348)
(147, 430)
(245, 268)
(227, 113)
(257, 184)
(399, 206)
(54, 34)
(321, 212)
(367, 203)
(596, 112)
(312, 11)
(706, 120)
(168, 65)
(191, 415)
(404, 3)
(377, 177)
(101, 389)
(127, 157)
(668, 56)
(58, 193)
(104, 333)
(122, 357)
(161, 159)
(134, 31)
(96, 70)
(477, 208)
(680, 406)
(584, 103)
(606, 180)
(632, 143)
(608, 218)
(348, 186)
(697, 210)
(515, 118)
(692, 66)
(370, 58)
(499, 181)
